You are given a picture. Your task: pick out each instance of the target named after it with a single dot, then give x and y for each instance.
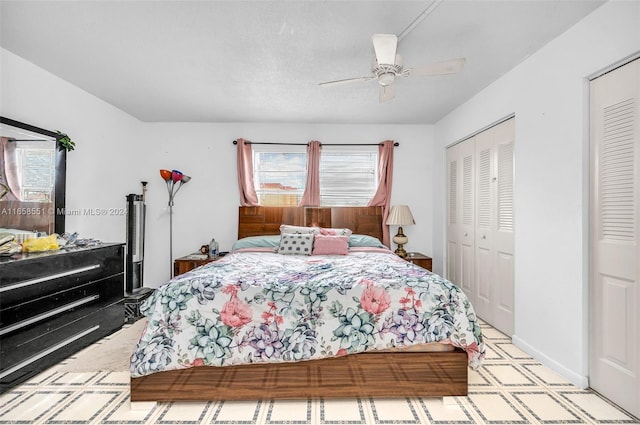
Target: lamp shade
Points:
(165, 174)
(400, 215)
(176, 175)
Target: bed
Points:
(282, 351)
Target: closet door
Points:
(453, 212)
(503, 260)
(460, 216)
(480, 222)
(614, 360)
(485, 183)
(494, 259)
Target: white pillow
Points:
(296, 244)
(287, 228)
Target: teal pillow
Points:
(365, 240)
(266, 241)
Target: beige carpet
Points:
(110, 354)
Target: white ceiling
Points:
(261, 61)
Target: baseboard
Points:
(575, 378)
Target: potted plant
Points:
(65, 141)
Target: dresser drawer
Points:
(40, 274)
(29, 353)
(51, 332)
(31, 311)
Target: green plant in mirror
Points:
(65, 141)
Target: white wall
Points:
(549, 95)
(115, 152)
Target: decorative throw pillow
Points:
(287, 228)
(331, 245)
(337, 232)
(296, 244)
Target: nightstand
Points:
(189, 262)
(419, 259)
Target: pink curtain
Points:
(382, 196)
(311, 196)
(248, 195)
(9, 174)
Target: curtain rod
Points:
(235, 142)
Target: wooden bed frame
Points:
(376, 374)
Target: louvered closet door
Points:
(480, 222)
(494, 260)
(453, 213)
(615, 231)
(504, 139)
(484, 227)
(460, 215)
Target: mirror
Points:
(32, 179)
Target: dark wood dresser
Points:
(54, 304)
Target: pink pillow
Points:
(331, 245)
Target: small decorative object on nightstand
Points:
(400, 215)
(419, 260)
(189, 262)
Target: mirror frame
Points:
(60, 184)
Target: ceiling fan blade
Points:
(440, 68)
(385, 46)
(387, 93)
(346, 80)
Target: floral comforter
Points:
(252, 307)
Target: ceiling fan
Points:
(387, 65)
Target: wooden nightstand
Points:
(419, 259)
(188, 262)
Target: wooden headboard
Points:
(256, 221)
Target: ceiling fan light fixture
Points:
(387, 65)
(387, 78)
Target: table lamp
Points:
(400, 215)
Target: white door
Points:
(504, 138)
(480, 222)
(494, 259)
(453, 225)
(460, 216)
(484, 251)
(614, 361)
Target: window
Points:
(348, 174)
(37, 172)
(279, 175)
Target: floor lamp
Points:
(174, 179)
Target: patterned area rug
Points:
(111, 354)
